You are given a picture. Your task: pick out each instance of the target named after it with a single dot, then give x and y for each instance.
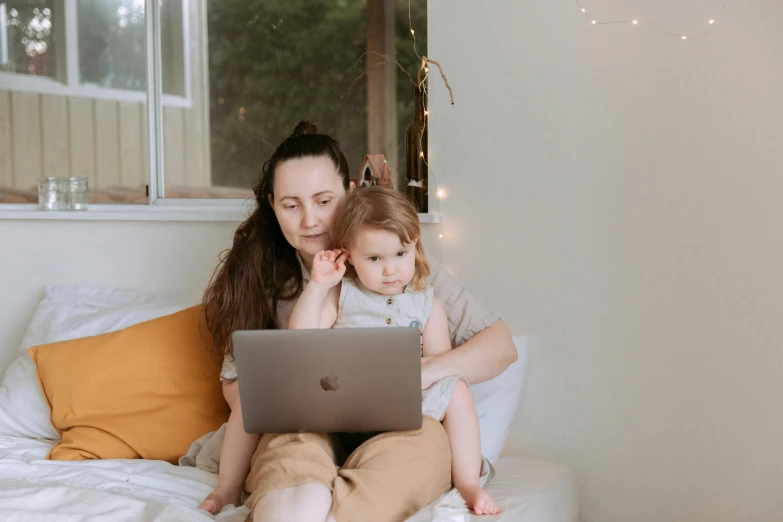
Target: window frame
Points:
(158, 207)
(68, 83)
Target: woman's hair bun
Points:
(305, 127)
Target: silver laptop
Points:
(327, 381)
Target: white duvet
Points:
(38, 490)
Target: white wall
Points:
(629, 185)
(151, 256)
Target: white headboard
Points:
(155, 256)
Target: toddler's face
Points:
(382, 262)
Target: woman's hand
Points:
(328, 267)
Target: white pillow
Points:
(497, 400)
(106, 297)
(66, 312)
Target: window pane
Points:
(112, 44)
(270, 64)
(53, 135)
(60, 136)
(26, 38)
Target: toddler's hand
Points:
(328, 267)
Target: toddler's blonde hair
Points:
(384, 209)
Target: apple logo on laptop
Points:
(329, 383)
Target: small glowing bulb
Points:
(584, 10)
(594, 22)
(426, 112)
(426, 69)
(440, 236)
(712, 22)
(421, 154)
(441, 193)
(635, 22)
(412, 31)
(684, 37)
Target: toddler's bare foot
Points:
(478, 500)
(217, 500)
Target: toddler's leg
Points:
(235, 454)
(462, 428)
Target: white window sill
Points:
(128, 213)
(180, 212)
(43, 85)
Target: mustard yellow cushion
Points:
(147, 391)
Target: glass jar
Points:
(53, 194)
(78, 192)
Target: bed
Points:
(33, 488)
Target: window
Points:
(89, 48)
(235, 78)
(112, 50)
(26, 39)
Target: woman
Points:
(294, 477)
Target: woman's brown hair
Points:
(385, 209)
(261, 267)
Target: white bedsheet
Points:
(37, 490)
(528, 490)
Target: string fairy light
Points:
(422, 85)
(422, 79)
(637, 22)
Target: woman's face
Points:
(306, 196)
